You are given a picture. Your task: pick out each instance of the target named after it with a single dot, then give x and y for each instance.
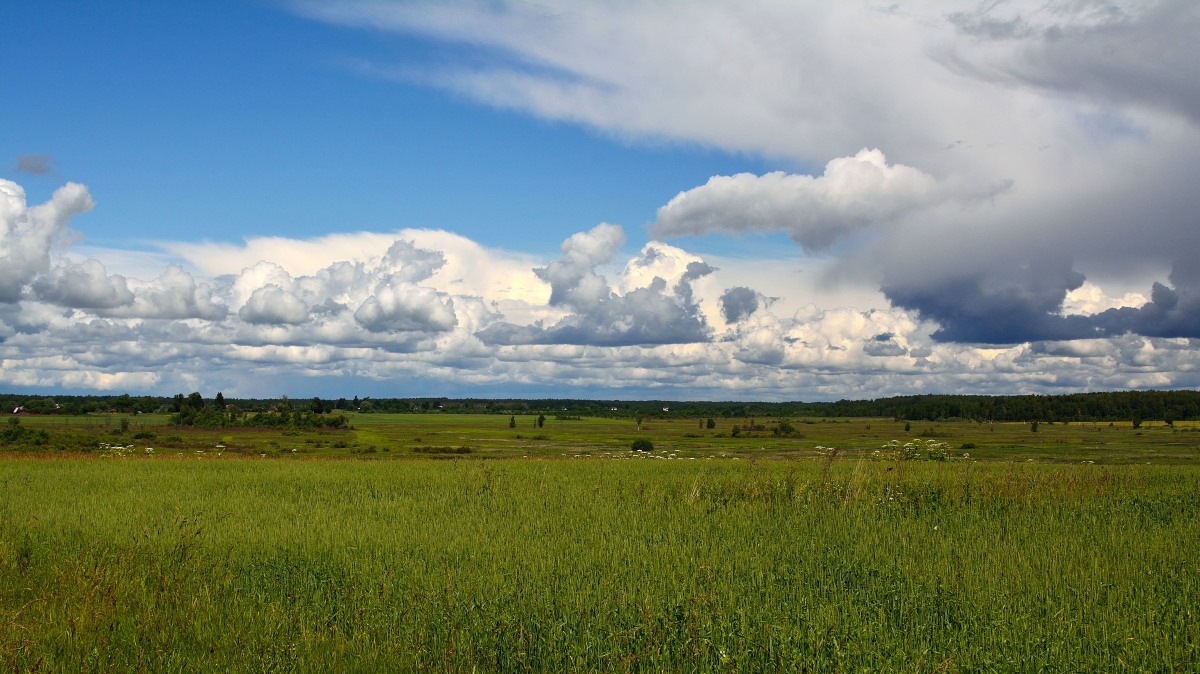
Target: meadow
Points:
(387, 547)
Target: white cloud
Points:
(27, 233)
(173, 295)
(572, 278)
(649, 310)
(1090, 299)
(852, 194)
(342, 259)
(406, 308)
(274, 305)
(86, 285)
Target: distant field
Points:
(398, 435)
(225, 550)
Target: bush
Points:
(643, 445)
(442, 450)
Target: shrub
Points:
(442, 450)
(642, 445)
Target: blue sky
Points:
(217, 120)
(675, 200)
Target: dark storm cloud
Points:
(1025, 305)
(738, 303)
(1171, 312)
(998, 306)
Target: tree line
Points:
(194, 409)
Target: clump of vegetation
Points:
(20, 437)
(427, 449)
(642, 445)
(785, 429)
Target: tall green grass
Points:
(596, 565)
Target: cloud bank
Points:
(997, 134)
(1011, 185)
(662, 322)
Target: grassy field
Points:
(411, 435)
(1058, 550)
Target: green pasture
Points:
(391, 436)
(210, 561)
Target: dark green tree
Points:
(195, 401)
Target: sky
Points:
(678, 200)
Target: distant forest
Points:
(1135, 406)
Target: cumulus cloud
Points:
(174, 294)
(405, 263)
(654, 313)
(572, 278)
(406, 308)
(86, 285)
(271, 304)
(383, 294)
(641, 317)
(27, 233)
(852, 194)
